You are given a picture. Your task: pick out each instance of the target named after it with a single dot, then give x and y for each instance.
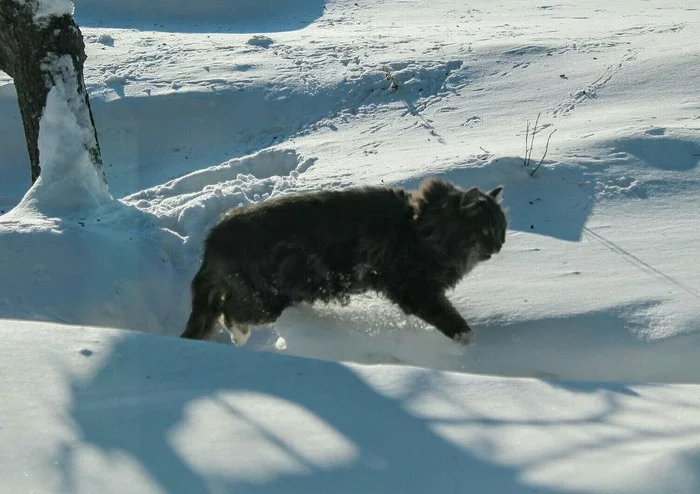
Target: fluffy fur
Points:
(409, 246)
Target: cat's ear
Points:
(469, 197)
(435, 189)
(470, 201)
(497, 194)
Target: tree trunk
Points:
(29, 46)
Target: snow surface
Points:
(584, 372)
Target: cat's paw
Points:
(239, 334)
(463, 337)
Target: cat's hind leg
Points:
(239, 332)
(245, 307)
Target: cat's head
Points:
(486, 219)
(472, 217)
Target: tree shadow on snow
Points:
(148, 390)
(548, 412)
(208, 16)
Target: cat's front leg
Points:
(436, 309)
(464, 337)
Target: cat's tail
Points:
(207, 306)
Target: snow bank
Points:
(115, 411)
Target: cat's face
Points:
(471, 221)
(484, 220)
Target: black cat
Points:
(409, 246)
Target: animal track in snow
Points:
(591, 91)
(620, 186)
(185, 204)
(471, 121)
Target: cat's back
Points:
(361, 204)
(323, 216)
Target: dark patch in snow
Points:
(261, 41)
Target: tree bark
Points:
(27, 48)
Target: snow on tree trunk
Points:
(69, 181)
(41, 47)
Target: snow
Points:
(115, 410)
(583, 375)
(43, 9)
